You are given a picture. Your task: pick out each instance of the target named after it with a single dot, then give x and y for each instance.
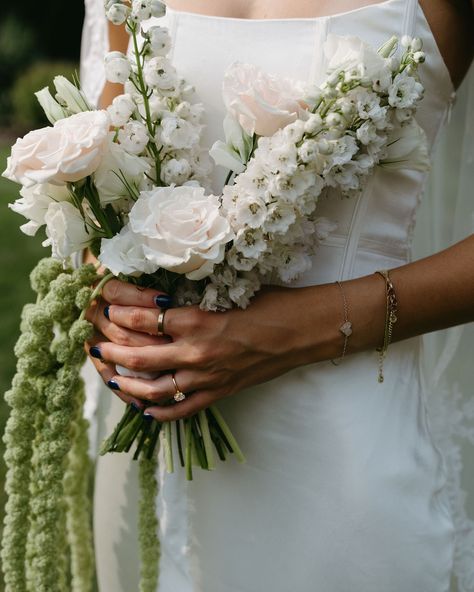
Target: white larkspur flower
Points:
(250, 242)
(282, 159)
(313, 124)
(133, 137)
(117, 67)
(249, 211)
(159, 40)
(308, 151)
(239, 261)
(405, 91)
(280, 216)
(175, 171)
(292, 187)
(177, 133)
(366, 133)
(117, 13)
(159, 73)
(121, 109)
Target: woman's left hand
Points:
(212, 355)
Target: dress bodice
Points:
(374, 229)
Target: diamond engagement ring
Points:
(179, 395)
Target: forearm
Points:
(433, 293)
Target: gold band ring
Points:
(179, 395)
(161, 323)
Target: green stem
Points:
(97, 291)
(168, 448)
(228, 434)
(206, 437)
(189, 449)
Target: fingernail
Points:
(95, 352)
(113, 385)
(135, 406)
(148, 416)
(163, 301)
(107, 312)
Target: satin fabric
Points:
(344, 486)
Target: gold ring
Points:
(161, 323)
(179, 395)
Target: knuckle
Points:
(197, 356)
(135, 362)
(137, 318)
(120, 336)
(111, 291)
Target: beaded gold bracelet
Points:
(390, 318)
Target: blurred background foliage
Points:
(38, 40)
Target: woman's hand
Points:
(211, 355)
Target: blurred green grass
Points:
(18, 256)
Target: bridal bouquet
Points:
(133, 184)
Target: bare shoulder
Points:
(452, 23)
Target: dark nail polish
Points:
(135, 406)
(163, 301)
(107, 312)
(113, 385)
(95, 352)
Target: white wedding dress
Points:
(344, 488)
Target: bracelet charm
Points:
(390, 318)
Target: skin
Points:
(215, 355)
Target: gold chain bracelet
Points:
(390, 319)
(345, 328)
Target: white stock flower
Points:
(177, 133)
(261, 103)
(67, 152)
(159, 73)
(405, 91)
(175, 171)
(121, 109)
(249, 211)
(181, 229)
(117, 13)
(123, 253)
(407, 148)
(133, 137)
(117, 67)
(159, 39)
(52, 109)
(66, 230)
(118, 166)
(34, 204)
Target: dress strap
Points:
(409, 18)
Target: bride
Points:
(344, 487)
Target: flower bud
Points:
(121, 109)
(133, 137)
(159, 40)
(158, 9)
(313, 124)
(51, 108)
(117, 13)
(406, 41)
(419, 57)
(416, 44)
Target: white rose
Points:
(159, 73)
(133, 137)
(160, 40)
(123, 253)
(117, 67)
(407, 148)
(177, 133)
(182, 229)
(121, 109)
(67, 152)
(261, 103)
(66, 230)
(117, 170)
(34, 204)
